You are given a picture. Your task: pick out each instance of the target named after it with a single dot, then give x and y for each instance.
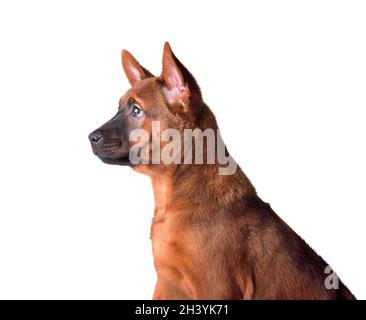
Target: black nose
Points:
(95, 137)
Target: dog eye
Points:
(136, 111)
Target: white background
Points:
(286, 80)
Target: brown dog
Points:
(212, 236)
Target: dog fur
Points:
(212, 236)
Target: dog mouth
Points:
(122, 161)
(112, 154)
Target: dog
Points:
(212, 236)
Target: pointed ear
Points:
(133, 70)
(180, 85)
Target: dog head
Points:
(173, 98)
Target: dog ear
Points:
(133, 70)
(180, 85)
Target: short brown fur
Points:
(212, 236)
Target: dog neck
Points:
(163, 195)
(183, 185)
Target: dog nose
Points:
(95, 137)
